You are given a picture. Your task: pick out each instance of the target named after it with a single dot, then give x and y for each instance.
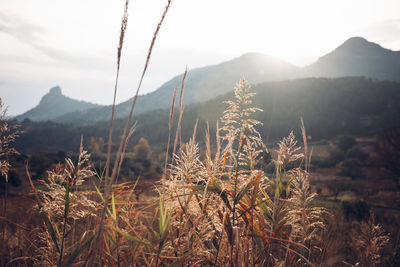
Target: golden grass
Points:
(220, 209)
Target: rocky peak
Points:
(55, 90)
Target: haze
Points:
(73, 44)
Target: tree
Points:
(142, 149)
(357, 153)
(336, 155)
(96, 146)
(350, 167)
(346, 142)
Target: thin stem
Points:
(124, 25)
(62, 243)
(99, 239)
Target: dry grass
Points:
(99, 240)
(229, 212)
(8, 133)
(219, 209)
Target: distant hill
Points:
(330, 107)
(53, 105)
(201, 84)
(355, 57)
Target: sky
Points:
(73, 44)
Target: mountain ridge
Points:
(355, 57)
(204, 77)
(54, 104)
(329, 106)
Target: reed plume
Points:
(8, 133)
(369, 240)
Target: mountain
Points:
(330, 107)
(201, 84)
(53, 105)
(357, 57)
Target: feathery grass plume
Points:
(368, 241)
(8, 133)
(304, 218)
(239, 128)
(187, 167)
(287, 151)
(98, 244)
(243, 141)
(204, 196)
(62, 206)
(65, 177)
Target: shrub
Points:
(8, 133)
(358, 210)
(346, 142)
(336, 155)
(350, 167)
(357, 153)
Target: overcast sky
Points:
(73, 43)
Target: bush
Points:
(320, 162)
(350, 167)
(346, 142)
(358, 210)
(336, 155)
(357, 153)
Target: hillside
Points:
(355, 57)
(53, 105)
(202, 84)
(330, 107)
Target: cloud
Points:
(34, 36)
(20, 29)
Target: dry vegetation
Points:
(215, 207)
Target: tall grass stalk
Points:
(124, 25)
(170, 122)
(181, 110)
(8, 133)
(124, 140)
(231, 212)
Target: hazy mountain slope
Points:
(357, 57)
(329, 106)
(53, 105)
(202, 84)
